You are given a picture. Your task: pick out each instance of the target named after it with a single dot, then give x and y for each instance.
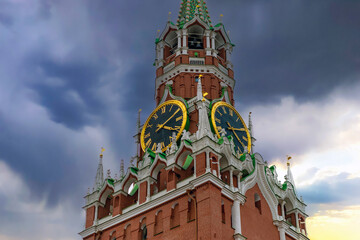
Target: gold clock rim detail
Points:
(213, 110)
(184, 120)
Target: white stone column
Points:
(282, 233)
(231, 180)
(283, 210)
(207, 40)
(236, 218)
(297, 221)
(184, 33)
(208, 169)
(161, 54)
(148, 191)
(96, 213)
(179, 39)
(213, 41)
(239, 181)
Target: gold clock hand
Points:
(162, 125)
(168, 128)
(237, 129)
(232, 129)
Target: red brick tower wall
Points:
(255, 224)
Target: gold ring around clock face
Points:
(167, 121)
(225, 119)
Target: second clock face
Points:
(165, 122)
(225, 118)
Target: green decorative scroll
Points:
(188, 161)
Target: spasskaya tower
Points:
(196, 174)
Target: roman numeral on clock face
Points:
(163, 110)
(179, 118)
(147, 144)
(147, 135)
(153, 148)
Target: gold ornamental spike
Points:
(101, 152)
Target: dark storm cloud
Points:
(334, 189)
(299, 48)
(74, 100)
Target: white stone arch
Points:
(194, 20)
(171, 39)
(221, 29)
(169, 27)
(129, 179)
(223, 162)
(174, 205)
(182, 154)
(158, 211)
(219, 41)
(259, 177)
(105, 192)
(156, 167)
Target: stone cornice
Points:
(168, 196)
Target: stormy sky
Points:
(73, 75)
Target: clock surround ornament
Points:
(168, 118)
(226, 121)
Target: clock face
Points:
(224, 117)
(167, 121)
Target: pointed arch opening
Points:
(257, 201)
(127, 232)
(195, 37)
(143, 230)
(175, 216)
(158, 226)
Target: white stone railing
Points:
(223, 69)
(169, 67)
(197, 61)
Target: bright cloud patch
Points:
(333, 224)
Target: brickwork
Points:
(257, 226)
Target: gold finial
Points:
(288, 159)
(169, 16)
(200, 76)
(221, 15)
(158, 33)
(101, 153)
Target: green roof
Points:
(188, 10)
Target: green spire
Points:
(188, 10)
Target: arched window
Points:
(191, 210)
(175, 216)
(172, 42)
(112, 235)
(158, 227)
(195, 38)
(127, 232)
(143, 233)
(142, 230)
(257, 202)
